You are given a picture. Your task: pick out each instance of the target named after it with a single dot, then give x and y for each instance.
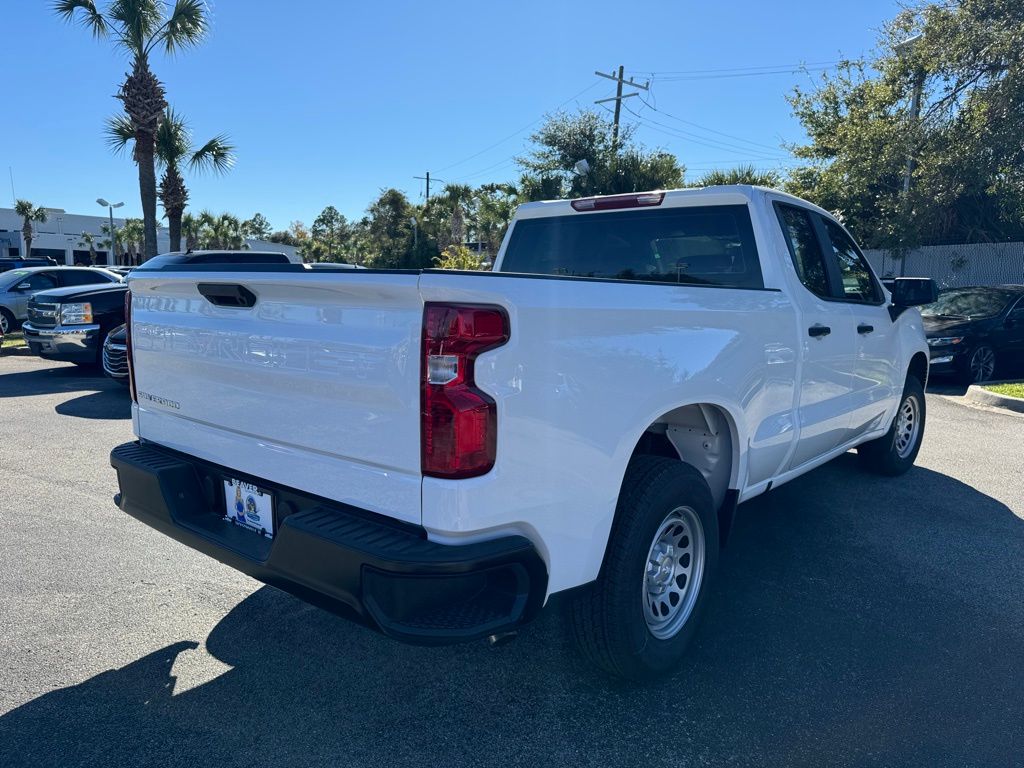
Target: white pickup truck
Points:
(435, 454)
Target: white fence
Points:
(953, 266)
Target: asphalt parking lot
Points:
(858, 621)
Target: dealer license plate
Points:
(249, 506)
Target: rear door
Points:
(827, 341)
(877, 378)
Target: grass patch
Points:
(13, 340)
(1012, 390)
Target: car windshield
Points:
(969, 302)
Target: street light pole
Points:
(113, 235)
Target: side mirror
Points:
(913, 292)
(23, 286)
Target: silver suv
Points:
(18, 285)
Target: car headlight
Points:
(945, 341)
(76, 314)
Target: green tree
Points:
(29, 212)
(460, 257)
(744, 174)
(132, 236)
(257, 227)
(174, 149)
(88, 240)
(551, 168)
(138, 27)
(967, 157)
(496, 204)
(221, 232)
(388, 232)
(328, 234)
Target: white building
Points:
(60, 237)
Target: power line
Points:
(516, 133)
(739, 70)
(706, 129)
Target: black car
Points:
(72, 323)
(976, 332)
(115, 355)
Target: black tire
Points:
(608, 617)
(970, 374)
(883, 455)
(9, 321)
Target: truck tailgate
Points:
(315, 387)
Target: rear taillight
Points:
(459, 423)
(128, 344)
(615, 202)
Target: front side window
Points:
(39, 281)
(699, 245)
(804, 248)
(857, 281)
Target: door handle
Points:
(227, 295)
(818, 330)
(865, 328)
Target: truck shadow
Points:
(856, 621)
(103, 398)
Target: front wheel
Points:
(981, 365)
(636, 620)
(894, 452)
(7, 322)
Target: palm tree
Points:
(89, 241)
(138, 27)
(191, 228)
(29, 212)
(174, 148)
(132, 235)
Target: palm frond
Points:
(217, 155)
(139, 20)
(119, 131)
(186, 26)
(90, 17)
(173, 140)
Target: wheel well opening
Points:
(701, 435)
(919, 368)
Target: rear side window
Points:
(804, 248)
(83, 277)
(705, 245)
(858, 283)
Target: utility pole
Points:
(427, 179)
(617, 98)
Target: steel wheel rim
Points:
(983, 364)
(908, 426)
(673, 572)
(4, 325)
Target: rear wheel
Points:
(636, 620)
(894, 452)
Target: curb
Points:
(982, 396)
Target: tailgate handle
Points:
(228, 295)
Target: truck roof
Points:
(732, 194)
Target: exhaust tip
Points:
(501, 638)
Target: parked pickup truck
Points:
(435, 454)
(71, 324)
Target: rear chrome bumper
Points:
(374, 570)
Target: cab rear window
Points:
(705, 245)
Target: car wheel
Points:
(895, 452)
(637, 619)
(7, 321)
(981, 365)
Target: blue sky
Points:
(329, 101)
